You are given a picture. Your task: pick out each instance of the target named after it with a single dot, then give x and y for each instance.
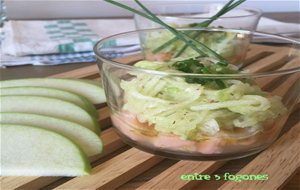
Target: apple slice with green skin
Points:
(49, 106)
(89, 90)
(51, 93)
(32, 151)
(85, 138)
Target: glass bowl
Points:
(180, 115)
(185, 15)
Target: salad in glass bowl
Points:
(164, 46)
(197, 107)
(230, 45)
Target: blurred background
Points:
(51, 9)
(28, 36)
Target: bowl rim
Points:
(224, 76)
(252, 11)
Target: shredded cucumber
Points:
(223, 43)
(188, 110)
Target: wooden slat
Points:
(91, 70)
(129, 59)
(297, 106)
(293, 183)
(104, 117)
(269, 62)
(279, 162)
(111, 142)
(255, 55)
(265, 47)
(8, 183)
(172, 176)
(115, 171)
(263, 82)
(283, 88)
(78, 73)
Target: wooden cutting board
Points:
(124, 167)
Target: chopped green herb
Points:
(195, 66)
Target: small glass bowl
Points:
(232, 45)
(185, 15)
(178, 126)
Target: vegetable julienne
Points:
(195, 113)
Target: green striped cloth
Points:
(23, 38)
(62, 41)
(72, 36)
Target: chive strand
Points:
(182, 50)
(227, 7)
(203, 24)
(178, 34)
(189, 41)
(155, 19)
(169, 42)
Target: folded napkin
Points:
(58, 36)
(49, 59)
(59, 41)
(276, 27)
(57, 59)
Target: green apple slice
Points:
(85, 138)
(51, 93)
(91, 91)
(49, 106)
(32, 151)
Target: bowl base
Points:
(192, 156)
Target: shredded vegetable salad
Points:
(223, 43)
(195, 110)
